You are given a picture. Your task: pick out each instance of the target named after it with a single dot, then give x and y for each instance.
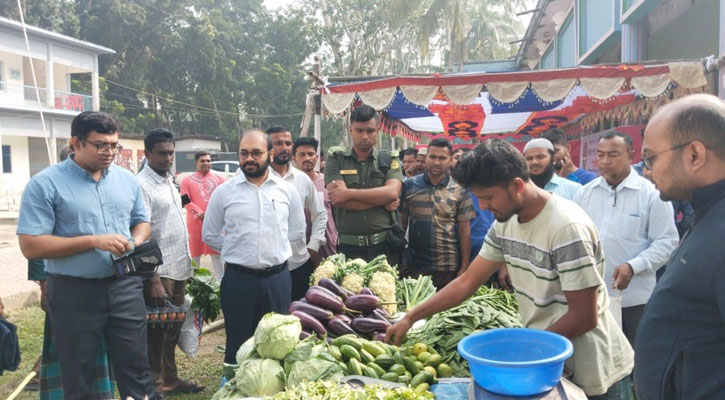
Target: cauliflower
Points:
(383, 285)
(358, 262)
(326, 270)
(353, 282)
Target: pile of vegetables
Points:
(329, 309)
(413, 365)
(487, 309)
(329, 390)
(355, 275)
(412, 292)
(204, 290)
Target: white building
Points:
(56, 59)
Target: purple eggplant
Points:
(369, 325)
(379, 316)
(328, 340)
(309, 322)
(383, 311)
(332, 286)
(339, 327)
(344, 317)
(304, 335)
(322, 297)
(380, 337)
(320, 313)
(367, 291)
(363, 302)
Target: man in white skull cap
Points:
(539, 155)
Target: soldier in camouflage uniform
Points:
(364, 186)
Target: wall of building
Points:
(198, 144)
(13, 182)
(694, 34)
(12, 93)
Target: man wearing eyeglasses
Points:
(681, 342)
(252, 221)
(74, 215)
(636, 227)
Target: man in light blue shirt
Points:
(539, 155)
(74, 215)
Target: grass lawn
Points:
(205, 368)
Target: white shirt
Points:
(168, 225)
(635, 227)
(312, 203)
(254, 226)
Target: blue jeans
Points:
(621, 390)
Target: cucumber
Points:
(347, 340)
(354, 367)
(410, 366)
(366, 357)
(373, 348)
(398, 357)
(422, 388)
(385, 361)
(345, 370)
(378, 369)
(422, 377)
(398, 369)
(387, 348)
(370, 373)
(404, 379)
(335, 351)
(349, 352)
(390, 377)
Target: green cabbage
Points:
(276, 335)
(260, 377)
(246, 351)
(313, 370)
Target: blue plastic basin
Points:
(516, 361)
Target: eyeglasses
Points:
(650, 158)
(101, 147)
(256, 154)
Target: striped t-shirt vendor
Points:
(555, 260)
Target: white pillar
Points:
(53, 142)
(50, 78)
(94, 85)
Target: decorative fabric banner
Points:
(651, 86)
(506, 92)
(460, 120)
(462, 94)
(688, 74)
(419, 95)
(379, 98)
(553, 90)
(336, 103)
(602, 88)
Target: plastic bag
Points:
(190, 335)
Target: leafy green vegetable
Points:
(415, 291)
(246, 351)
(305, 350)
(204, 290)
(327, 390)
(312, 370)
(487, 309)
(276, 335)
(260, 377)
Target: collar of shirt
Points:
(82, 172)
(555, 180)
(348, 152)
(442, 183)
(290, 175)
(154, 176)
(705, 197)
(630, 182)
(271, 178)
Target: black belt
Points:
(81, 279)
(257, 271)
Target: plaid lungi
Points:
(51, 387)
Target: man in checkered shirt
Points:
(168, 227)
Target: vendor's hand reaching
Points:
(395, 334)
(623, 274)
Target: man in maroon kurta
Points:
(199, 187)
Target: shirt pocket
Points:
(352, 180)
(376, 179)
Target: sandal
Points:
(185, 387)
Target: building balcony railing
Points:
(15, 94)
